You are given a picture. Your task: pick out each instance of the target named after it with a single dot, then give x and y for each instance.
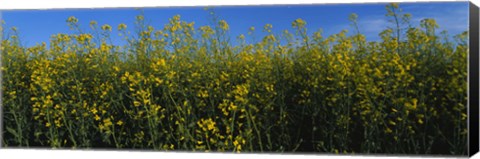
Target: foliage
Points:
(191, 89)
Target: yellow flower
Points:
(122, 26)
(392, 122)
(94, 111)
(107, 122)
(300, 23)
(72, 19)
(106, 27)
(388, 130)
(211, 125)
(414, 101)
(136, 103)
(116, 68)
(93, 23)
(413, 105)
(235, 143)
(233, 106)
(394, 110)
(120, 123)
(223, 25)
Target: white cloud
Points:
(372, 26)
(453, 19)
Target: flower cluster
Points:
(187, 88)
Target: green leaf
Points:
(12, 131)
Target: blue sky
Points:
(37, 26)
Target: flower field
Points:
(189, 88)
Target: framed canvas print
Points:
(396, 79)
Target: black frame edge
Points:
(473, 105)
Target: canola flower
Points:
(187, 87)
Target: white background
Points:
(87, 154)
